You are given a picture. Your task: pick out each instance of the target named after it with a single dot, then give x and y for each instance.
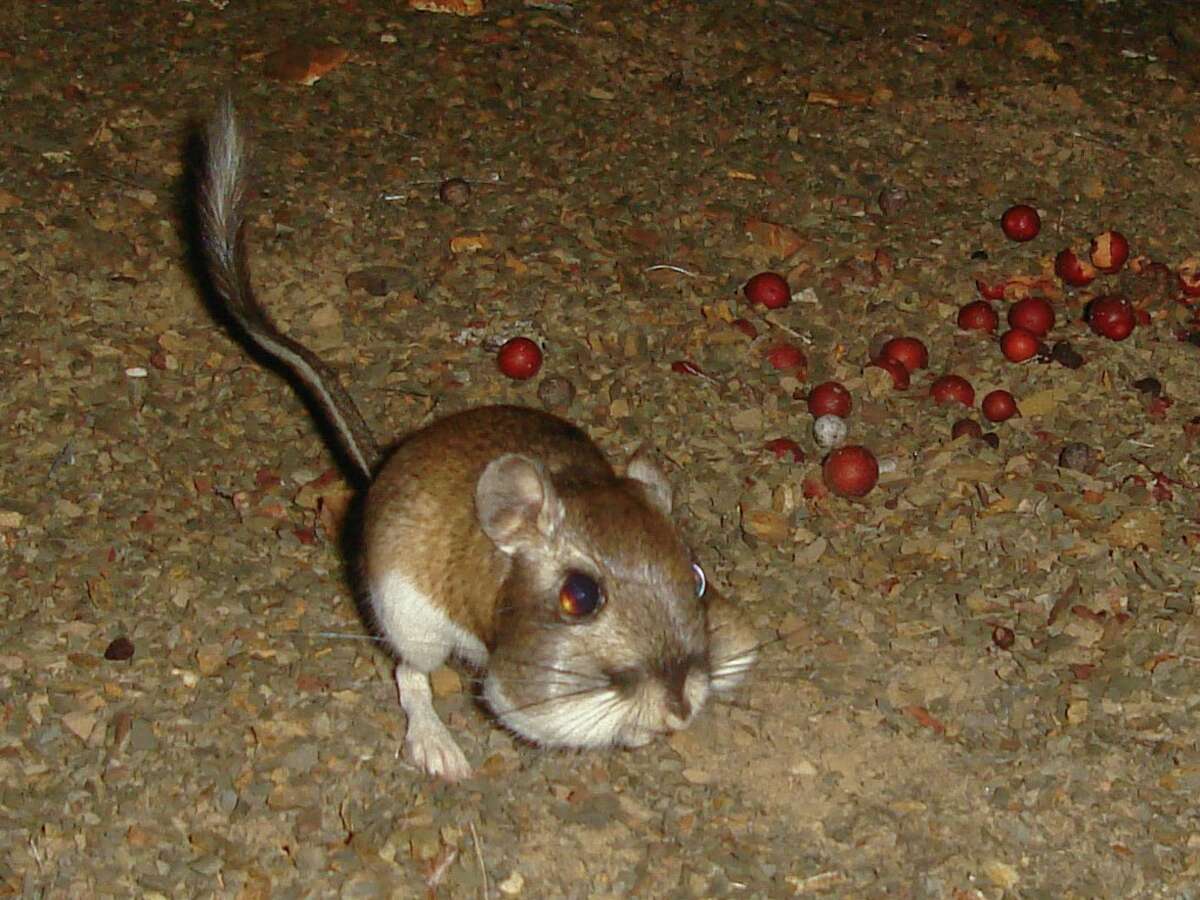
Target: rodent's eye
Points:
(579, 596)
(701, 580)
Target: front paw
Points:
(430, 747)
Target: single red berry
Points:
(998, 406)
(968, 427)
(978, 315)
(1019, 344)
(1074, 271)
(829, 399)
(952, 389)
(908, 351)
(1033, 314)
(1109, 251)
(768, 289)
(788, 358)
(1021, 222)
(1111, 317)
(900, 379)
(850, 471)
(783, 447)
(519, 358)
(990, 290)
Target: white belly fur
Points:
(421, 634)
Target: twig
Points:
(679, 269)
(479, 858)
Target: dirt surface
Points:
(980, 680)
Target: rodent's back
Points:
(420, 515)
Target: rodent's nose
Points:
(679, 708)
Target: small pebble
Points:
(119, 650)
(454, 192)
(1151, 386)
(892, 200)
(1080, 457)
(1003, 637)
(556, 392)
(1066, 355)
(829, 431)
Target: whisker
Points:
(558, 698)
(340, 635)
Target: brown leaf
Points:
(303, 64)
(453, 7)
(925, 718)
(780, 240)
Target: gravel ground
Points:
(979, 680)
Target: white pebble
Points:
(829, 431)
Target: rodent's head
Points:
(606, 632)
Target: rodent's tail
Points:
(222, 204)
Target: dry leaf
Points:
(1138, 527)
(470, 243)
(80, 723)
(780, 240)
(926, 718)
(453, 7)
(1040, 404)
(766, 525)
(303, 64)
(839, 99)
(1039, 48)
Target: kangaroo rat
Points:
(502, 536)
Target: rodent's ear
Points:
(516, 503)
(644, 469)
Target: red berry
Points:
(908, 351)
(1111, 317)
(978, 315)
(993, 291)
(1109, 251)
(1033, 314)
(1021, 222)
(519, 358)
(998, 406)
(782, 447)
(768, 289)
(850, 471)
(1073, 270)
(1189, 277)
(966, 426)
(952, 389)
(829, 399)
(1019, 344)
(900, 379)
(788, 358)
(813, 488)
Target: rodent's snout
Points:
(677, 689)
